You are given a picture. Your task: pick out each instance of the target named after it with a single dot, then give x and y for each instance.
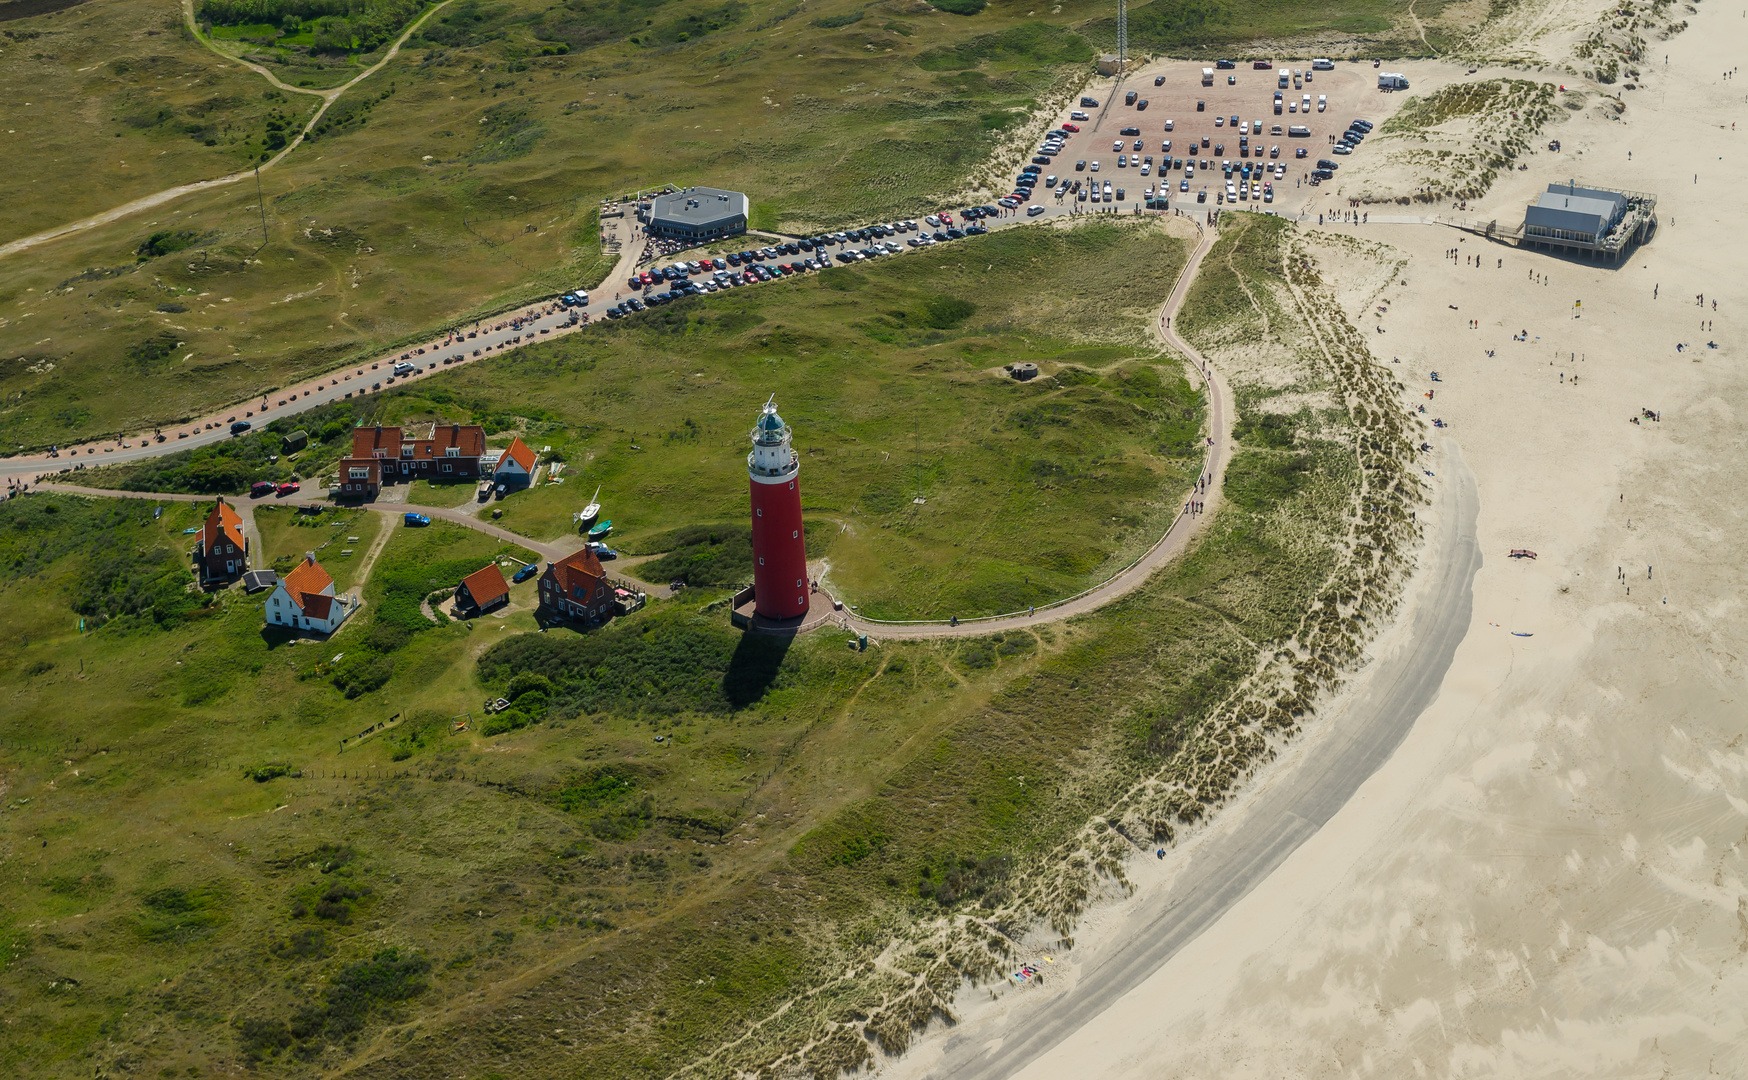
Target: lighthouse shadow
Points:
(755, 667)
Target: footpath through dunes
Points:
(156, 199)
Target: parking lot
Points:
(1185, 141)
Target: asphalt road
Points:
(1289, 813)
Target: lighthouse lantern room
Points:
(779, 549)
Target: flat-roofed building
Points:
(698, 214)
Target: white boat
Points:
(591, 511)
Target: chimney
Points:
(309, 557)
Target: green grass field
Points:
(891, 375)
(464, 177)
(286, 535)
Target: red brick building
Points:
(222, 550)
(575, 587)
(432, 451)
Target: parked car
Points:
(260, 488)
(240, 426)
(1034, 210)
(1225, 65)
(526, 572)
(1261, 65)
(416, 520)
(289, 487)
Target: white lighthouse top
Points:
(772, 455)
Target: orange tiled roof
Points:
(486, 585)
(305, 584)
(520, 454)
(225, 522)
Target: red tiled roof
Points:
(520, 454)
(578, 570)
(486, 585)
(305, 584)
(367, 440)
(223, 521)
(468, 439)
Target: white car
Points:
(1146, 170)
(1165, 147)
(1116, 145)
(1231, 191)
(1095, 165)
(1034, 210)
(1219, 121)
(1292, 106)
(1107, 191)
(933, 220)
(1168, 124)
(1322, 102)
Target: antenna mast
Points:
(1122, 38)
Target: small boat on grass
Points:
(600, 531)
(591, 511)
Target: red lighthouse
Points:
(779, 549)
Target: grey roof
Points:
(698, 208)
(256, 580)
(1576, 209)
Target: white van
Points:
(1299, 132)
(1321, 64)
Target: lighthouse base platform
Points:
(821, 611)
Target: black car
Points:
(1225, 65)
(955, 234)
(1040, 160)
(1130, 131)
(1325, 163)
(1321, 174)
(1159, 80)
(941, 237)
(240, 426)
(1363, 125)
(1201, 106)
(1139, 105)
(1089, 102)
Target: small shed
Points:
(294, 442)
(1110, 64)
(1023, 372)
(259, 580)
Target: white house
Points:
(305, 600)
(516, 468)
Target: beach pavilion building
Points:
(698, 214)
(1588, 219)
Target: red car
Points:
(946, 219)
(288, 488)
(1261, 65)
(1070, 127)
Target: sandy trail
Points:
(147, 202)
(1546, 877)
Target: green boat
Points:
(600, 531)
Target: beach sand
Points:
(1547, 879)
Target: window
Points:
(360, 472)
(796, 535)
(407, 450)
(452, 451)
(798, 583)
(761, 560)
(759, 513)
(276, 601)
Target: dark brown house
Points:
(575, 587)
(481, 591)
(222, 550)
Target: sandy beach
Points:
(1546, 879)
